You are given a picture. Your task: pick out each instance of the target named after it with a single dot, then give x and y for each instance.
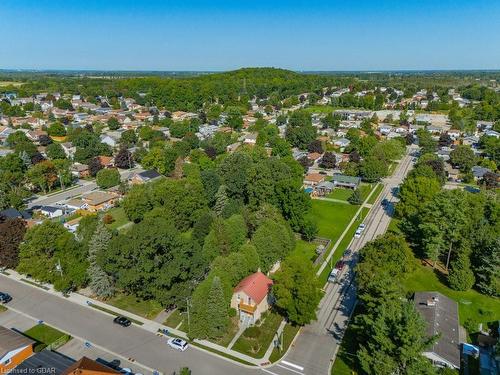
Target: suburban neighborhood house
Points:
(251, 298)
(86, 366)
(14, 349)
(441, 315)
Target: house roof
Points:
(86, 364)
(98, 197)
(346, 179)
(46, 362)
(149, 175)
(49, 209)
(441, 315)
(255, 286)
(314, 177)
(11, 340)
(105, 160)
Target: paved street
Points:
(315, 348)
(88, 324)
(83, 187)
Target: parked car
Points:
(358, 233)
(362, 226)
(333, 275)
(5, 297)
(177, 344)
(346, 253)
(121, 320)
(339, 265)
(385, 202)
(126, 371)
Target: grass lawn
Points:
(340, 193)
(376, 193)
(289, 333)
(304, 250)
(174, 319)
(147, 309)
(229, 335)
(255, 340)
(118, 213)
(343, 244)
(45, 336)
(471, 304)
(331, 217)
(394, 226)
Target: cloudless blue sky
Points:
(222, 35)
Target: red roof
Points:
(256, 286)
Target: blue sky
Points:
(222, 35)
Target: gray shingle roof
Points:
(11, 340)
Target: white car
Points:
(357, 234)
(362, 227)
(177, 344)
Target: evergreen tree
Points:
(355, 198)
(461, 276)
(221, 200)
(100, 282)
(217, 309)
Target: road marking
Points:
(293, 365)
(289, 369)
(269, 372)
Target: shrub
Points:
(108, 219)
(232, 312)
(252, 332)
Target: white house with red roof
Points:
(251, 297)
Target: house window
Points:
(249, 301)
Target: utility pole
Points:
(59, 268)
(188, 302)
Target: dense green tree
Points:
(137, 202)
(11, 234)
(297, 291)
(221, 200)
(161, 160)
(99, 282)
(128, 138)
(461, 276)
(56, 129)
(233, 172)
(415, 192)
(373, 169)
(55, 151)
(225, 236)
(463, 157)
(107, 178)
(152, 261)
(273, 240)
(211, 185)
(113, 123)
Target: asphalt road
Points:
(316, 347)
(83, 187)
(91, 325)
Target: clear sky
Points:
(222, 35)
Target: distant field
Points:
(8, 83)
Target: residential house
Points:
(44, 362)
(51, 211)
(324, 188)
(492, 133)
(441, 315)
(232, 147)
(385, 129)
(14, 349)
(251, 298)
(144, 177)
(478, 172)
(5, 132)
(109, 140)
(313, 179)
(342, 143)
(80, 170)
(346, 181)
(99, 200)
(68, 149)
(34, 135)
(72, 225)
(106, 161)
(250, 139)
(87, 366)
(454, 133)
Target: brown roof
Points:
(11, 340)
(315, 177)
(255, 286)
(87, 365)
(98, 197)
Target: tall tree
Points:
(11, 234)
(100, 282)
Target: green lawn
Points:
(331, 217)
(304, 250)
(343, 244)
(340, 193)
(376, 193)
(174, 319)
(471, 304)
(229, 335)
(118, 213)
(147, 309)
(289, 333)
(255, 340)
(45, 336)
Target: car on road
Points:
(5, 297)
(177, 344)
(362, 226)
(121, 320)
(340, 265)
(359, 231)
(333, 275)
(347, 252)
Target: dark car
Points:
(5, 298)
(121, 320)
(339, 265)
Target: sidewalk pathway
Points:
(237, 336)
(271, 346)
(331, 200)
